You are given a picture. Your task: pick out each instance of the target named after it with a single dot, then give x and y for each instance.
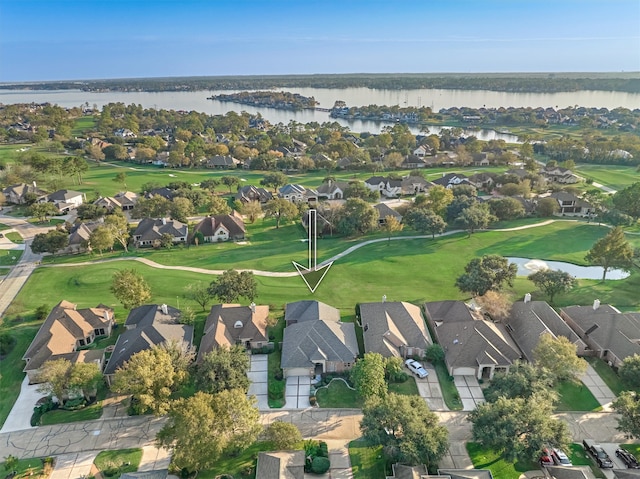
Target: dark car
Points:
(598, 453)
(545, 458)
(629, 459)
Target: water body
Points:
(436, 99)
(526, 266)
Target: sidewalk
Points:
(598, 388)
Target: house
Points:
(413, 162)
(280, 465)
(297, 194)
(482, 181)
(64, 333)
(610, 334)
(124, 133)
(449, 180)
(249, 193)
(148, 326)
(403, 471)
(569, 204)
(422, 151)
(384, 211)
(530, 320)
(481, 159)
(473, 346)
(65, 200)
(391, 188)
(309, 310)
(79, 236)
(19, 194)
(231, 324)
(556, 174)
(219, 228)
(125, 201)
(163, 191)
(153, 474)
(331, 190)
(149, 231)
(412, 185)
(394, 329)
(222, 162)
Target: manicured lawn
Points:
(241, 466)
(579, 457)
(4, 227)
(30, 468)
(367, 461)
(82, 125)
(61, 416)
(276, 387)
(337, 395)
(613, 176)
(14, 237)
(449, 389)
(408, 388)
(116, 461)
(499, 467)
(608, 375)
(10, 257)
(575, 396)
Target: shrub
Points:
(283, 435)
(42, 312)
(434, 353)
(320, 465)
(40, 409)
(276, 389)
(323, 450)
(73, 404)
(7, 342)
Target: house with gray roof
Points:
(249, 193)
(297, 194)
(149, 231)
(19, 194)
(331, 190)
(280, 465)
(148, 326)
(449, 180)
(473, 346)
(65, 200)
(571, 205)
(391, 188)
(80, 235)
(309, 310)
(231, 324)
(125, 200)
(384, 211)
(222, 162)
(219, 228)
(610, 334)
(64, 333)
(394, 329)
(154, 474)
(530, 320)
(412, 185)
(402, 471)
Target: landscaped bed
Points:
(450, 392)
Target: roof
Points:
(310, 310)
(231, 223)
(466, 473)
(626, 473)
(63, 195)
(22, 189)
(467, 340)
(529, 321)
(391, 325)
(82, 232)
(617, 332)
(574, 472)
(61, 329)
(331, 187)
(451, 179)
(309, 342)
(384, 211)
(150, 229)
(152, 313)
(402, 471)
(156, 474)
(229, 323)
(280, 465)
(253, 193)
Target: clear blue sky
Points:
(89, 39)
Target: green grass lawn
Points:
(408, 387)
(28, 468)
(579, 457)
(82, 125)
(500, 468)
(632, 448)
(119, 461)
(337, 395)
(575, 396)
(367, 461)
(242, 466)
(14, 237)
(4, 227)
(608, 375)
(10, 257)
(61, 416)
(449, 390)
(613, 176)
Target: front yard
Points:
(575, 396)
(367, 462)
(117, 462)
(500, 468)
(449, 389)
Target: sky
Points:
(97, 39)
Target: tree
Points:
(547, 207)
(553, 282)
(210, 184)
(119, 227)
(42, 211)
(49, 242)
(150, 376)
(181, 209)
(523, 380)
(130, 288)
(223, 368)
(627, 200)
(283, 435)
(75, 166)
(121, 178)
(475, 217)
(627, 405)
(230, 182)
(408, 431)
(54, 378)
(612, 251)
(558, 356)
(274, 180)
(218, 206)
(391, 225)
(198, 292)
(368, 376)
(506, 208)
(205, 427)
(101, 239)
(495, 304)
(252, 210)
(518, 428)
(231, 285)
(629, 372)
(155, 207)
(280, 209)
(425, 221)
(356, 217)
(84, 378)
(488, 273)
(439, 198)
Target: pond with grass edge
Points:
(527, 266)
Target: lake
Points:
(434, 98)
(527, 266)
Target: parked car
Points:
(545, 458)
(629, 459)
(560, 458)
(416, 368)
(598, 453)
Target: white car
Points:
(416, 368)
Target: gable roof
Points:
(384, 211)
(308, 310)
(452, 179)
(330, 187)
(390, 325)
(229, 323)
(253, 193)
(309, 342)
(150, 229)
(231, 223)
(280, 465)
(148, 314)
(64, 195)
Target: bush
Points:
(111, 471)
(283, 435)
(320, 465)
(434, 353)
(73, 404)
(7, 342)
(42, 312)
(323, 449)
(276, 389)
(40, 409)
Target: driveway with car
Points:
(429, 389)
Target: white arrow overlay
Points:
(313, 281)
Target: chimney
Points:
(105, 315)
(527, 298)
(384, 298)
(164, 308)
(34, 184)
(164, 221)
(596, 304)
(253, 308)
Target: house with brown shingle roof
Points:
(231, 324)
(221, 228)
(64, 332)
(17, 194)
(280, 465)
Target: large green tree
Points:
(627, 405)
(198, 292)
(283, 435)
(357, 217)
(612, 251)
(232, 285)
(405, 427)
(42, 211)
(424, 220)
(62, 378)
(558, 356)
(522, 381)
(488, 273)
(280, 209)
(368, 376)
(49, 242)
(130, 288)
(223, 368)
(101, 239)
(630, 371)
(475, 217)
(627, 200)
(274, 180)
(119, 227)
(553, 282)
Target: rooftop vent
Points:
(237, 325)
(164, 309)
(253, 307)
(527, 298)
(596, 304)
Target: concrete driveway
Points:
(429, 389)
(297, 392)
(598, 388)
(20, 415)
(73, 466)
(470, 392)
(258, 376)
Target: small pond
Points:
(526, 266)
